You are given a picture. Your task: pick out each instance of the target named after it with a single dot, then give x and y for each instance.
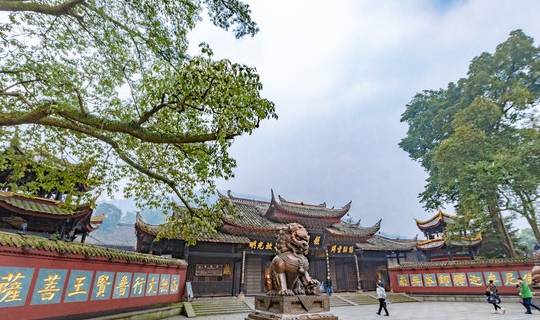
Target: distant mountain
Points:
(129, 209)
(394, 236)
(125, 211)
(247, 196)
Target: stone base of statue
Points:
(291, 308)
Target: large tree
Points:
(479, 139)
(110, 84)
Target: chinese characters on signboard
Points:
(462, 279)
(82, 285)
(14, 285)
(208, 270)
(341, 249)
(261, 245)
(403, 280)
(416, 280)
(444, 280)
(430, 280)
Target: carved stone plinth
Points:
(291, 308)
(258, 315)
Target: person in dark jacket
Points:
(493, 296)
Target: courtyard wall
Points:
(459, 277)
(42, 278)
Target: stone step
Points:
(216, 306)
(400, 298)
(336, 301)
(361, 298)
(225, 311)
(219, 308)
(256, 316)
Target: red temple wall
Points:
(465, 277)
(39, 284)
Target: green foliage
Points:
(527, 240)
(478, 139)
(491, 243)
(109, 85)
(470, 225)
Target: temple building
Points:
(43, 212)
(437, 247)
(234, 260)
(45, 217)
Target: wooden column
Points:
(359, 286)
(243, 268)
(327, 264)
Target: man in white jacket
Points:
(381, 295)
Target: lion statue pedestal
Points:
(291, 293)
(535, 275)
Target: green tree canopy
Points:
(111, 83)
(479, 139)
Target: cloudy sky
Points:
(340, 74)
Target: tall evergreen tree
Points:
(479, 138)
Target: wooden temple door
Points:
(253, 274)
(345, 275)
(237, 277)
(317, 269)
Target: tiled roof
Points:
(40, 206)
(96, 221)
(465, 242)
(454, 263)
(250, 214)
(440, 242)
(309, 210)
(437, 219)
(260, 204)
(431, 244)
(353, 230)
(16, 241)
(380, 243)
(217, 237)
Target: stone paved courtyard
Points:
(417, 311)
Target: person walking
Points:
(526, 295)
(328, 287)
(493, 296)
(381, 295)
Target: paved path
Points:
(415, 311)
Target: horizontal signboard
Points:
(462, 279)
(82, 285)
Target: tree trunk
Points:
(534, 226)
(528, 211)
(507, 244)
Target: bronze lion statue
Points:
(288, 274)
